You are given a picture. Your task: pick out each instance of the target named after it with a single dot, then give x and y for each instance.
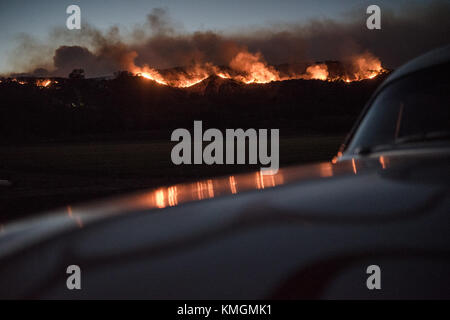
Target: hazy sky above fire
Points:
(37, 19)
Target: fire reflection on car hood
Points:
(152, 201)
(178, 194)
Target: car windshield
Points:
(412, 110)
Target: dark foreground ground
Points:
(47, 176)
(83, 139)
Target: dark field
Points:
(84, 139)
(48, 176)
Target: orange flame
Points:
(251, 68)
(317, 71)
(151, 74)
(193, 76)
(43, 83)
(254, 68)
(366, 66)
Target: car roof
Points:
(430, 59)
(425, 61)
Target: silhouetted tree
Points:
(77, 74)
(122, 74)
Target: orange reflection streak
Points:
(199, 191)
(326, 170)
(210, 189)
(172, 196)
(77, 219)
(259, 181)
(336, 157)
(205, 189)
(160, 199)
(232, 184)
(354, 166)
(272, 180)
(267, 180)
(334, 160)
(382, 162)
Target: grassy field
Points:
(47, 176)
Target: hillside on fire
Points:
(66, 140)
(41, 109)
(70, 139)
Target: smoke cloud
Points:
(160, 43)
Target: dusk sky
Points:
(38, 18)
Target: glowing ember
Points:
(223, 75)
(19, 81)
(43, 83)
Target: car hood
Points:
(247, 234)
(360, 187)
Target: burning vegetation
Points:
(41, 83)
(162, 50)
(245, 68)
(158, 51)
(250, 68)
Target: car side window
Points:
(416, 105)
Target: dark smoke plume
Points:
(161, 44)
